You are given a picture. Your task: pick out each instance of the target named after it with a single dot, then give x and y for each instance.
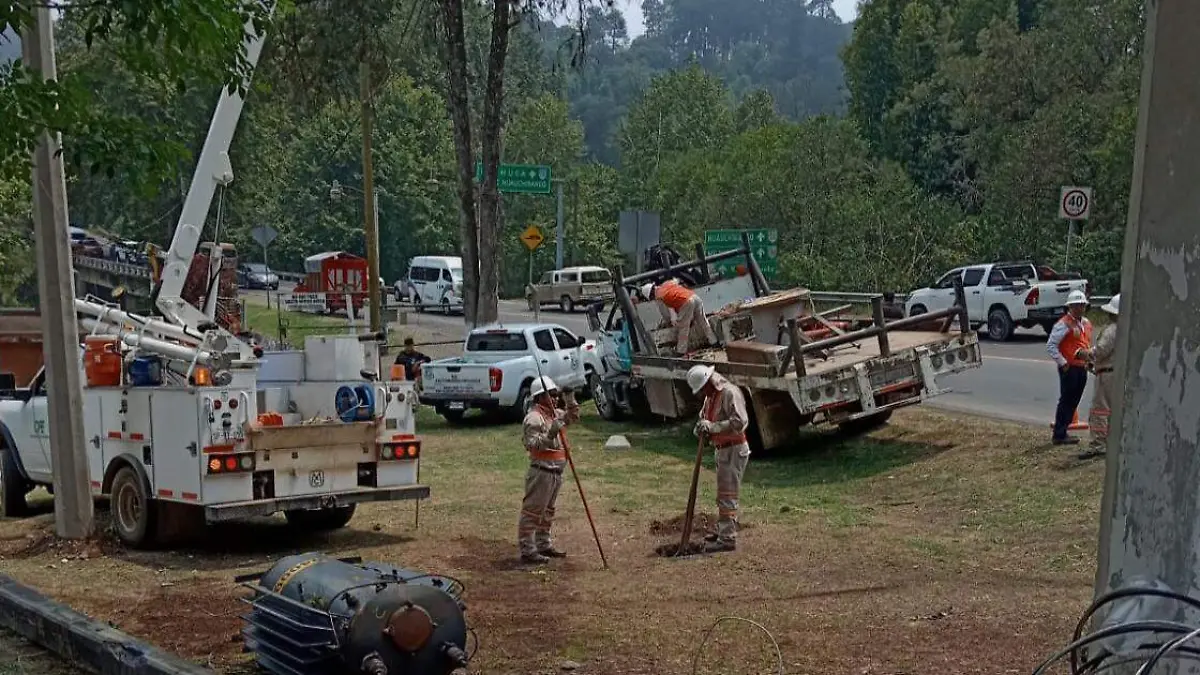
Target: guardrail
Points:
(865, 298)
(121, 269)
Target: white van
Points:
(434, 281)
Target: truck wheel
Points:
(917, 310)
(865, 424)
(520, 407)
(132, 512)
(1000, 325)
(320, 520)
(609, 410)
(446, 306)
(12, 488)
(566, 304)
(454, 416)
(1048, 327)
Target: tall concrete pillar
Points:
(1150, 516)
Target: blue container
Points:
(146, 371)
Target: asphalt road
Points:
(1017, 381)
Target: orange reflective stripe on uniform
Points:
(723, 439)
(673, 295)
(548, 455)
(1079, 336)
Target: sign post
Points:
(264, 235)
(764, 246)
(1074, 203)
(533, 237)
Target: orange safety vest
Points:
(674, 295)
(1079, 336)
(726, 438)
(546, 455)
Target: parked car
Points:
(571, 287)
(257, 275)
(498, 365)
(435, 281)
(1001, 296)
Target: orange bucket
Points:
(102, 361)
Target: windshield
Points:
(497, 342)
(258, 268)
(597, 277)
(457, 273)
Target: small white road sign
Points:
(1075, 203)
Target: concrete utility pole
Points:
(1149, 516)
(68, 449)
(369, 208)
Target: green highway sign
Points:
(526, 178)
(764, 244)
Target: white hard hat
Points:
(648, 291)
(699, 376)
(542, 385)
(1077, 298)
(1113, 306)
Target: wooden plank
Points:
(316, 435)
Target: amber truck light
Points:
(242, 462)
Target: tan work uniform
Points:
(1102, 354)
(726, 408)
(689, 310)
(547, 459)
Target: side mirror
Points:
(593, 317)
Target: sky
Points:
(847, 9)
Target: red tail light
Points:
(397, 451)
(495, 379)
(1034, 296)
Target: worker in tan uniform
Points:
(547, 459)
(688, 308)
(723, 421)
(1101, 365)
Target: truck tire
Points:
(1000, 325)
(320, 520)
(607, 409)
(520, 407)
(133, 513)
(566, 304)
(12, 487)
(865, 424)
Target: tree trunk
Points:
(490, 206)
(455, 56)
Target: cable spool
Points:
(354, 404)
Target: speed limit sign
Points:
(1075, 203)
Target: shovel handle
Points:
(691, 506)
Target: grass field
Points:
(936, 544)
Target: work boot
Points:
(551, 552)
(534, 559)
(1069, 440)
(720, 546)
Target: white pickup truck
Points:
(1001, 296)
(498, 365)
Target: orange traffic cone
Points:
(1076, 425)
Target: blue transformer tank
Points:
(312, 614)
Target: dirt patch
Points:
(42, 541)
(674, 551)
(701, 523)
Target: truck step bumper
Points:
(264, 507)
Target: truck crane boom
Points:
(213, 170)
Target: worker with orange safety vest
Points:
(1070, 345)
(723, 420)
(1103, 355)
(688, 308)
(547, 459)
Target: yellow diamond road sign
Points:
(532, 237)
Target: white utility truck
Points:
(498, 365)
(187, 424)
(1001, 296)
(796, 366)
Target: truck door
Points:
(973, 288)
(570, 360)
(37, 418)
(546, 353)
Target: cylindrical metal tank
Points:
(317, 615)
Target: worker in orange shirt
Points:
(671, 296)
(1070, 345)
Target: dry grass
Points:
(937, 544)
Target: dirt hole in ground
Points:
(44, 540)
(671, 550)
(701, 523)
